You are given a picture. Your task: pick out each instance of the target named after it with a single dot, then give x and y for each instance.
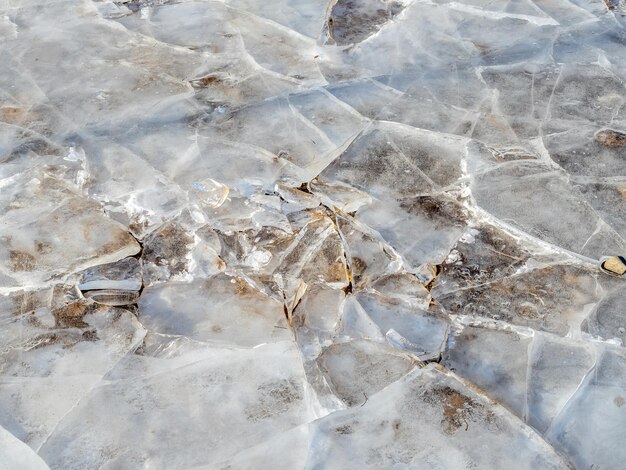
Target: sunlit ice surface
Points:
(311, 234)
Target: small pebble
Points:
(614, 265)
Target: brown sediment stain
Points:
(337, 271)
(438, 209)
(36, 145)
(86, 226)
(42, 248)
(230, 90)
(357, 268)
(483, 49)
(350, 23)
(609, 137)
(64, 339)
(619, 401)
(28, 301)
(344, 429)
(243, 288)
(496, 121)
(137, 227)
(611, 4)
(21, 261)
(113, 246)
(358, 265)
(90, 335)
(204, 82)
(168, 246)
(396, 426)
(41, 341)
(536, 298)
(458, 409)
(12, 114)
(274, 398)
(71, 314)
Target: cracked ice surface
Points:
(243, 234)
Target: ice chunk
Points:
(356, 323)
(221, 309)
(53, 359)
(351, 22)
(423, 229)
(601, 398)
(369, 256)
(389, 159)
(344, 198)
(60, 231)
(419, 332)
(247, 395)
(554, 298)
(494, 360)
(166, 252)
(608, 318)
(405, 287)
(357, 369)
(481, 254)
(513, 192)
(16, 454)
(428, 419)
(556, 370)
(214, 192)
(315, 256)
(124, 274)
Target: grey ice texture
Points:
(312, 234)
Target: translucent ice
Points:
(241, 234)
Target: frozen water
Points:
(248, 234)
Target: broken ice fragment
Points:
(481, 254)
(114, 297)
(358, 369)
(554, 298)
(352, 22)
(342, 197)
(319, 310)
(211, 192)
(298, 198)
(58, 231)
(607, 321)
(166, 252)
(315, 256)
(419, 332)
(220, 310)
(600, 397)
(556, 368)
(16, 454)
(123, 274)
(494, 360)
(367, 253)
(247, 395)
(460, 424)
(405, 287)
(422, 229)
